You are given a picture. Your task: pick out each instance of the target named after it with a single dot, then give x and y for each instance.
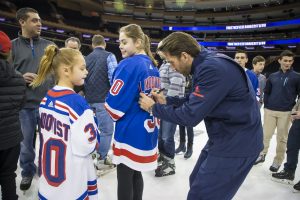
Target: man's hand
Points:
(158, 96)
(295, 115)
(29, 77)
(145, 102)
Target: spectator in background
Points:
(174, 84)
(287, 175)
(100, 64)
(258, 64)
(280, 93)
(12, 97)
(73, 43)
(241, 58)
(27, 51)
(189, 129)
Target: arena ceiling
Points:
(155, 13)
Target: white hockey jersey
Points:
(68, 135)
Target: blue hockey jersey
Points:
(68, 135)
(254, 81)
(135, 138)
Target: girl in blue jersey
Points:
(135, 138)
(68, 132)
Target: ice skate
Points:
(25, 184)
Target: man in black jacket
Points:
(12, 97)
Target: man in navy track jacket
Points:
(223, 97)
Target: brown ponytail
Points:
(148, 50)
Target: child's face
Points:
(259, 66)
(241, 58)
(127, 46)
(78, 72)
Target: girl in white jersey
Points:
(68, 132)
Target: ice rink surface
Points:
(257, 186)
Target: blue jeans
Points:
(166, 143)
(29, 119)
(106, 127)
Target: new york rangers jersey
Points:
(135, 138)
(68, 135)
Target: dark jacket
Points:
(97, 84)
(281, 90)
(12, 98)
(222, 96)
(26, 56)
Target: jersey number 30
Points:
(54, 162)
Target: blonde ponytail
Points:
(45, 65)
(52, 60)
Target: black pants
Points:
(293, 147)
(130, 183)
(190, 134)
(8, 166)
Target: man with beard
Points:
(223, 97)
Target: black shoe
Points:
(284, 177)
(274, 167)
(297, 187)
(260, 159)
(25, 183)
(181, 148)
(189, 152)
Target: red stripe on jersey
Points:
(66, 108)
(113, 115)
(92, 187)
(134, 157)
(53, 93)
